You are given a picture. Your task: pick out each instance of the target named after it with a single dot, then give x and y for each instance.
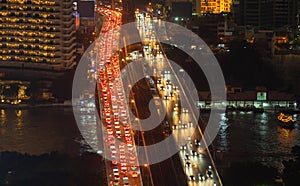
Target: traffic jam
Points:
(119, 142)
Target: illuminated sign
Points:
(261, 96)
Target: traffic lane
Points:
(168, 172)
(108, 166)
(161, 172)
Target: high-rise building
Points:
(269, 13)
(200, 7)
(37, 34)
(215, 6)
(236, 13)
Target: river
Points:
(256, 137)
(41, 130)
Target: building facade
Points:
(269, 13)
(37, 34)
(200, 7)
(215, 6)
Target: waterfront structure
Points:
(258, 98)
(37, 34)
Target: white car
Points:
(116, 172)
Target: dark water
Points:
(256, 137)
(42, 130)
(38, 130)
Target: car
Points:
(115, 171)
(114, 162)
(185, 110)
(124, 167)
(188, 164)
(132, 158)
(108, 120)
(113, 156)
(127, 135)
(111, 85)
(118, 133)
(126, 180)
(129, 141)
(127, 128)
(191, 178)
(193, 153)
(130, 146)
(134, 174)
(116, 115)
(122, 155)
(197, 142)
(116, 182)
(107, 114)
(201, 177)
(182, 147)
(109, 131)
(209, 174)
(187, 157)
(113, 98)
(117, 177)
(106, 104)
(122, 150)
(133, 168)
(113, 150)
(123, 113)
(128, 138)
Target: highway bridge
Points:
(191, 165)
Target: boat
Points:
(286, 121)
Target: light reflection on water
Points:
(43, 130)
(223, 133)
(87, 126)
(257, 136)
(38, 130)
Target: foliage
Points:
(51, 169)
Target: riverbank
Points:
(254, 110)
(37, 105)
